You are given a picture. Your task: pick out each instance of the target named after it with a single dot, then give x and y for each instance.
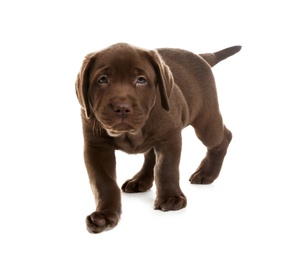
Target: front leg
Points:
(100, 164)
(169, 194)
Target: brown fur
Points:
(139, 101)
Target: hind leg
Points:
(216, 137)
(143, 180)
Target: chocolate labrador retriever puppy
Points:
(138, 101)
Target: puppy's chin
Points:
(115, 133)
(121, 129)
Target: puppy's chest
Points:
(131, 143)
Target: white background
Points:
(44, 190)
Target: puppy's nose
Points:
(122, 109)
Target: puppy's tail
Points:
(216, 57)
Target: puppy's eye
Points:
(103, 79)
(141, 80)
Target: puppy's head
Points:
(119, 86)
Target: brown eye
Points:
(141, 80)
(102, 79)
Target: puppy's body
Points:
(138, 101)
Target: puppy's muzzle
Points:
(122, 110)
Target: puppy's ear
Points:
(165, 78)
(82, 84)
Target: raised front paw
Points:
(136, 185)
(101, 221)
(171, 203)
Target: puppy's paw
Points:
(101, 221)
(171, 203)
(207, 172)
(136, 185)
(200, 177)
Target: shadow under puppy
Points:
(138, 101)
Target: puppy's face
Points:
(119, 85)
(122, 90)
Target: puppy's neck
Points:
(130, 143)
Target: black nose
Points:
(122, 109)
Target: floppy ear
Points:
(165, 78)
(81, 84)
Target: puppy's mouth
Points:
(116, 125)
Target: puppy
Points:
(138, 101)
